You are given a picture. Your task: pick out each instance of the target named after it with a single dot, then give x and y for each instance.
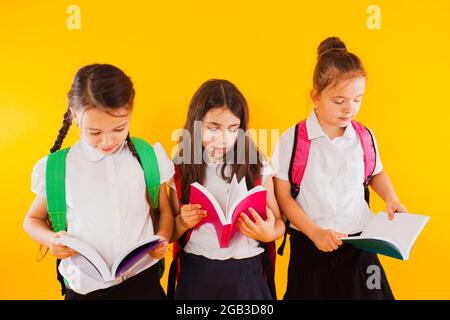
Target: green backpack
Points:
(56, 188)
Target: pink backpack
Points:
(268, 256)
(299, 160)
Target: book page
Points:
(403, 230)
(235, 193)
(255, 198)
(201, 195)
(133, 255)
(91, 255)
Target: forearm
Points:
(382, 185)
(179, 228)
(38, 230)
(280, 227)
(165, 226)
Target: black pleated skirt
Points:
(201, 278)
(143, 286)
(345, 274)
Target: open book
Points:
(239, 200)
(92, 264)
(394, 238)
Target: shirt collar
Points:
(94, 154)
(315, 130)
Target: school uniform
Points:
(332, 195)
(107, 207)
(210, 272)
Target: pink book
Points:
(239, 200)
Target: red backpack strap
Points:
(177, 246)
(299, 157)
(368, 146)
(268, 258)
(177, 179)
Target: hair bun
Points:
(331, 43)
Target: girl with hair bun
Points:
(324, 166)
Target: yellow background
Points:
(268, 49)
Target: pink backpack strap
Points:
(368, 146)
(297, 167)
(299, 157)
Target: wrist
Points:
(392, 199)
(49, 238)
(313, 233)
(180, 224)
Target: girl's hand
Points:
(327, 240)
(58, 250)
(394, 206)
(160, 250)
(259, 230)
(191, 214)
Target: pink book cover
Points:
(223, 222)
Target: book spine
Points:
(225, 236)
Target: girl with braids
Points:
(107, 201)
(324, 166)
(217, 120)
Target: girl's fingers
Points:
(249, 223)
(246, 233)
(60, 248)
(336, 239)
(391, 215)
(190, 207)
(159, 246)
(341, 235)
(64, 254)
(192, 221)
(245, 228)
(390, 212)
(196, 212)
(269, 214)
(256, 216)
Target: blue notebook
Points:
(394, 238)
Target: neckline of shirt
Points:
(315, 131)
(94, 155)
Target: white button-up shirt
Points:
(332, 191)
(106, 202)
(203, 241)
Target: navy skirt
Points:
(201, 278)
(345, 274)
(143, 286)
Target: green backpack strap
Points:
(55, 177)
(149, 164)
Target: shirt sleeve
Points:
(266, 172)
(378, 164)
(38, 177)
(165, 165)
(281, 156)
